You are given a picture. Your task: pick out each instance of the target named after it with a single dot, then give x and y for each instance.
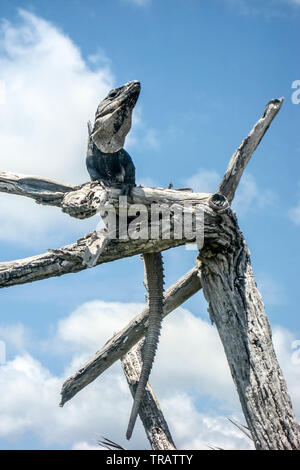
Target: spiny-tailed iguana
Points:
(108, 162)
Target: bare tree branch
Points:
(235, 306)
(242, 155)
(74, 258)
(77, 256)
(125, 339)
(41, 189)
(84, 200)
(224, 269)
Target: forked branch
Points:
(225, 274)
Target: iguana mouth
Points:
(113, 117)
(128, 92)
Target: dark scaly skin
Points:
(112, 169)
(117, 169)
(154, 282)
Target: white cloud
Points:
(152, 139)
(195, 337)
(273, 292)
(85, 446)
(16, 336)
(294, 214)
(204, 181)
(141, 134)
(291, 2)
(199, 430)
(248, 194)
(198, 369)
(90, 325)
(284, 343)
(32, 392)
(50, 94)
(31, 406)
(88, 328)
(41, 227)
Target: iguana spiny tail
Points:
(154, 283)
(108, 162)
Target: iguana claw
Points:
(126, 189)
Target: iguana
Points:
(109, 163)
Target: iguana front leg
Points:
(113, 170)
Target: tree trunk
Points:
(236, 307)
(224, 271)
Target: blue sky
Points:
(207, 70)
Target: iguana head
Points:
(113, 117)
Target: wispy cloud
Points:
(273, 292)
(248, 195)
(30, 391)
(26, 384)
(141, 134)
(204, 181)
(286, 350)
(50, 93)
(152, 139)
(294, 212)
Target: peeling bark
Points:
(236, 307)
(224, 271)
(43, 190)
(83, 254)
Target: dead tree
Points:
(222, 270)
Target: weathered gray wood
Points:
(225, 273)
(236, 307)
(153, 420)
(76, 257)
(72, 258)
(85, 200)
(243, 154)
(42, 190)
(125, 339)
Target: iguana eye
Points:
(112, 94)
